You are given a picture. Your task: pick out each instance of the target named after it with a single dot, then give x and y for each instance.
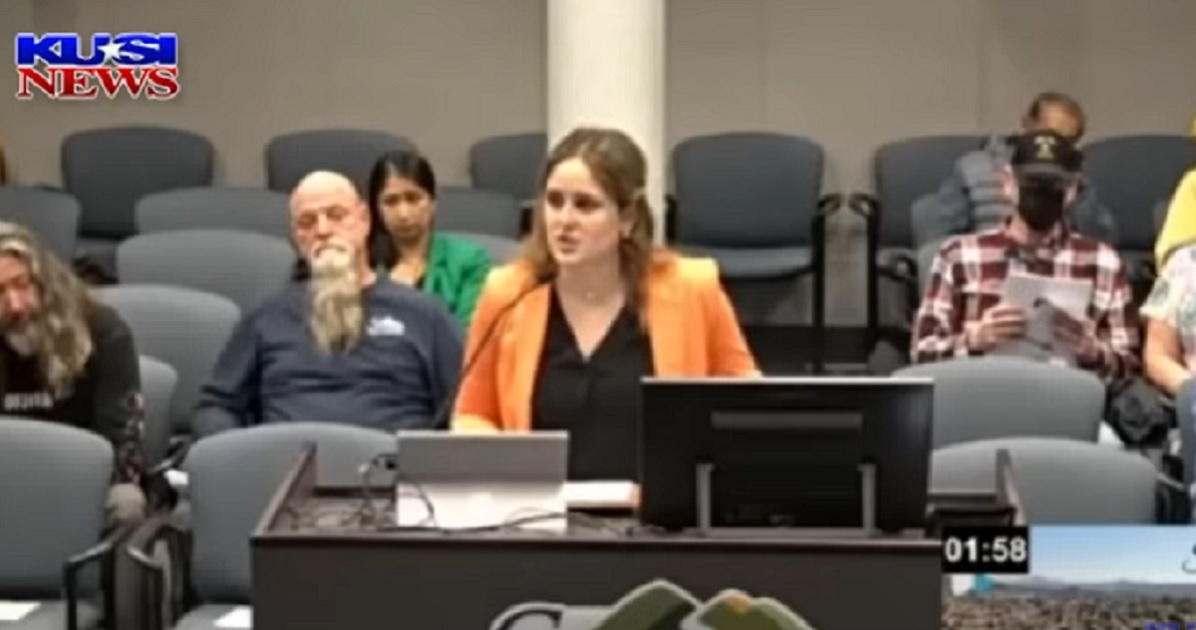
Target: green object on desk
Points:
(657, 605)
(733, 610)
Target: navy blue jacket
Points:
(403, 369)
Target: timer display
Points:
(996, 550)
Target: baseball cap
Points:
(1045, 153)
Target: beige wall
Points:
(850, 73)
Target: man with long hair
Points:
(67, 358)
(343, 345)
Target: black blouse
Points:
(596, 401)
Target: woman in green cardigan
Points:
(402, 198)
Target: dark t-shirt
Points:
(397, 377)
(105, 397)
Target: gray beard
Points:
(23, 342)
(337, 312)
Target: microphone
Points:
(446, 406)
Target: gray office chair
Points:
(510, 164)
(478, 212)
(245, 267)
(754, 203)
(52, 215)
(233, 475)
(1160, 215)
(1060, 482)
(185, 328)
(248, 209)
(108, 170)
(352, 152)
(1130, 174)
(903, 172)
(158, 383)
(53, 486)
(998, 397)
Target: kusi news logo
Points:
(62, 66)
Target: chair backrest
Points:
(52, 215)
(905, 171)
(231, 478)
(997, 397)
(350, 152)
(747, 189)
(509, 163)
(53, 485)
(477, 211)
(248, 209)
(158, 383)
(502, 250)
(184, 328)
(108, 170)
(245, 267)
(1131, 174)
(1160, 215)
(1060, 482)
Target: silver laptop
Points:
(478, 480)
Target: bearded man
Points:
(342, 345)
(67, 358)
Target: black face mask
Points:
(1040, 204)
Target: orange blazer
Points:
(691, 324)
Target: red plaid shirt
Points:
(968, 274)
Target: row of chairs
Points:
(752, 200)
(201, 567)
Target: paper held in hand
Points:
(1040, 297)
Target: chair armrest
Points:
(527, 212)
(827, 206)
(670, 218)
(140, 547)
(105, 554)
(175, 454)
(865, 205)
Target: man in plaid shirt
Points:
(962, 314)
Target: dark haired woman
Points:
(403, 240)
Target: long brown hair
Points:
(64, 343)
(618, 165)
(3, 167)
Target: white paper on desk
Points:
(239, 618)
(1040, 296)
(599, 493)
(16, 611)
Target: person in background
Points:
(68, 358)
(976, 198)
(1169, 353)
(342, 346)
(962, 312)
(3, 167)
(1179, 229)
(562, 337)
(402, 196)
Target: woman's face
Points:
(581, 222)
(406, 209)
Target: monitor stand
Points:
(868, 529)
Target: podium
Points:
(321, 560)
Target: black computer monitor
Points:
(808, 452)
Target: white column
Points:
(606, 68)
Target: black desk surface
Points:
(323, 562)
